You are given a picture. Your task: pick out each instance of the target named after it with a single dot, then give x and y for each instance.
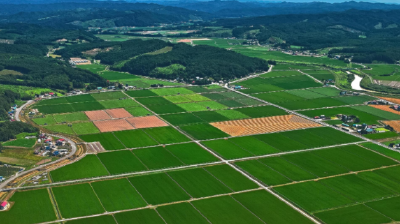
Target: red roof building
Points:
(4, 205)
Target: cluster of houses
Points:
(36, 179)
(12, 112)
(79, 61)
(51, 147)
(359, 128)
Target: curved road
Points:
(73, 150)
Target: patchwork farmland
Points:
(209, 154)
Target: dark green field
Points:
(118, 194)
(42, 211)
(90, 166)
(77, 200)
(203, 131)
(121, 162)
(107, 140)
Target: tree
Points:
(1, 147)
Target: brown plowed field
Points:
(394, 124)
(118, 113)
(97, 115)
(385, 108)
(264, 125)
(113, 125)
(146, 122)
(393, 100)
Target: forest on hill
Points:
(367, 35)
(186, 62)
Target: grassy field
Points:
(356, 188)
(377, 112)
(199, 183)
(26, 143)
(354, 214)
(266, 111)
(138, 111)
(166, 135)
(85, 128)
(388, 134)
(231, 178)
(279, 56)
(22, 212)
(232, 114)
(72, 117)
(280, 74)
(263, 173)
(61, 128)
(387, 207)
(135, 138)
(182, 119)
(95, 68)
(253, 145)
(46, 120)
(203, 131)
(181, 213)
(89, 166)
(109, 95)
(191, 153)
(269, 208)
(114, 76)
(117, 195)
(157, 158)
(227, 149)
(77, 200)
(382, 150)
(141, 216)
(121, 162)
(107, 140)
(158, 189)
(141, 93)
(384, 72)
(225, 210)
(105, 219)
(172, 91)
(313, 196)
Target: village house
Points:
(4, 205)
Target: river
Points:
(356, 83)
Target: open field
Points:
(90, 166)
(109, 191)
(166, 135)
(157, 158)
(121, 162)
(191, 153)
(355, 214)
(384, 72)
(26, 143)
(135, 138)
(203, 131)
(18, 214)
(158, 189)
(83, 201)
(107, 140)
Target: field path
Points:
(253, 76)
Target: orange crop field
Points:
(118, 113)
(394, 124)
(97, 115)
(264, 125)
(146, 122)
(393, 100)
(385, 108)
(113, 125)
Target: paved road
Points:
(73, 150)
(18, 111)
(253, 76)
